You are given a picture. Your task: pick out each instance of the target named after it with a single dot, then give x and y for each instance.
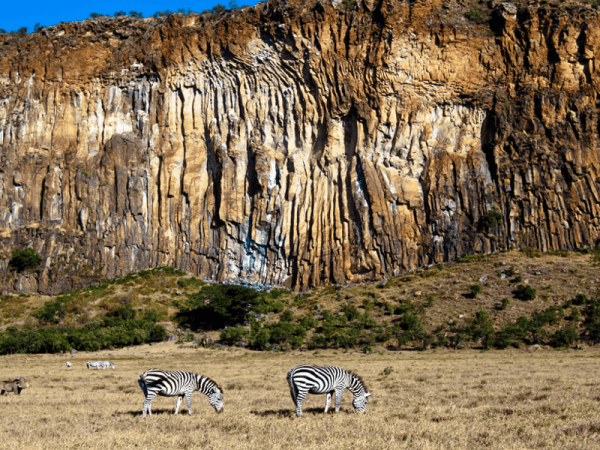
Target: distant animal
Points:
(206, 341)
(100, 365)
(69, 364)
(178, 383)
(326, 380)
(16, 385)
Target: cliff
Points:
(297, 143)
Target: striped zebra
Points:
(177, 383)
(100, 365)
(326, 380)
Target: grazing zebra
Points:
(100, 365)
(69, 364)
(176, 383)
(326, 380)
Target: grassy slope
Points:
(439, 295)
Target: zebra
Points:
(69, 364)
(100, 365)
(326, 380)
(178, 383)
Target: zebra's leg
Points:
(178, 403)
(149, 397)
(299, 400)
(188, 399)
(329, 395)
(338, 399)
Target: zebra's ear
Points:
(368, 394)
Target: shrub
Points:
(351, 312)
(137, 14)
(575, 315)
(287, 316)
(119, 14)
(233, 335)
(217, 306)
(505, 303)
(387, 371)
(38, 27)
(476, 290)
(565, 338)
(309, 322)
(580, 299)
(492, 219)
(25, 259)
(218, 9)
(525, 292)
(96, 15)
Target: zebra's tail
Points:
(293, 390)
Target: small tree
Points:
(38, 27)
(476, 290)
(25, 259)
(137, 14)
(96, 15)
(120, 14)
(492, 219)
(525, 292)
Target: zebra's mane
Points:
(355, 375)
(213, 382)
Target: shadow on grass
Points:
(291, 413)
(155, 412)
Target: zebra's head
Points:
(360, 402)
(215, 398)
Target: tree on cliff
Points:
(25, 259)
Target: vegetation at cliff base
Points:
(500, 300)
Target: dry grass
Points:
(429, 400)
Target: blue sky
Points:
(16, 15)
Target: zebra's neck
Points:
(205, 385)
(356, 385)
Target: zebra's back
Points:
(168, 382)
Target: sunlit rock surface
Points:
(297, 143)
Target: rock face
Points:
(297, 144)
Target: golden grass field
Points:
(466, 399)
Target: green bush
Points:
(525, 292)
(492, 219)
(116, 329)
(309, 322)
(580, 299)
(351, 312)
(287, 316)
(25, 259)
(565, 338)
(217, 306)
(233, 335)
(476, 290)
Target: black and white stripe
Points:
(326, 380)
(178, 383)
(100, 365)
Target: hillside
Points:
(298, 144)
(366, 317)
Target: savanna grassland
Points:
(443, 399)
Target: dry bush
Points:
(430, 400)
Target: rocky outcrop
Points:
(297, 143)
